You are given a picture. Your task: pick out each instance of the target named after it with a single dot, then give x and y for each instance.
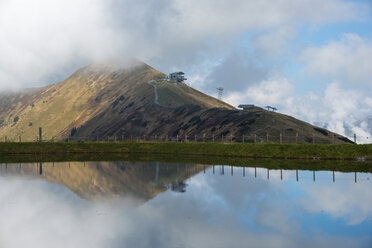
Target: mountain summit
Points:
(101, 101)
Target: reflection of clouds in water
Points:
(212, 213)
(347, 200)
(252, 200)
(263, 206)
(48, 215)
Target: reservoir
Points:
(159, 204)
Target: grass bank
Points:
(285, 151)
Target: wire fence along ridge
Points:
(268, 138)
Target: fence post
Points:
(195, 137)
(281, 138)
(355, 141)
(333, 173)
(267, 137)
(203, 137)
(213, 138)
(355, 177)
(314, 176)
(296, 138)
(40, 134)
(20, 139)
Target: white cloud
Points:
(41, 39)
(275, 91)
(348, 60)
(271, 43)
(339, 107)
(368, 101)
(343, 105)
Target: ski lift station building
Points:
(246, 106)
(177, 76)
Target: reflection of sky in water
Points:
(215, 211)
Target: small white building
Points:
(177, 76)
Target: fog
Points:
(43, 41)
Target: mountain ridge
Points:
(100, 101)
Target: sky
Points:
(311, 59)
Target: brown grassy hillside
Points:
(100, 101)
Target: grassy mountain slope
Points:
(100, 101)
(60, 107)
(174, 94)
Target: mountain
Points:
(104, 101)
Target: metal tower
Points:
(220, 93)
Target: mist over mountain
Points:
(105, 101)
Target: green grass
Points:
(285, 151)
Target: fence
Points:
(262, 138)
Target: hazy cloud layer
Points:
(337, 107)
(41, 39)
(345, 100)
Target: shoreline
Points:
(348, 152)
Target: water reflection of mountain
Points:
(103, 180)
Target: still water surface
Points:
(136, 204)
